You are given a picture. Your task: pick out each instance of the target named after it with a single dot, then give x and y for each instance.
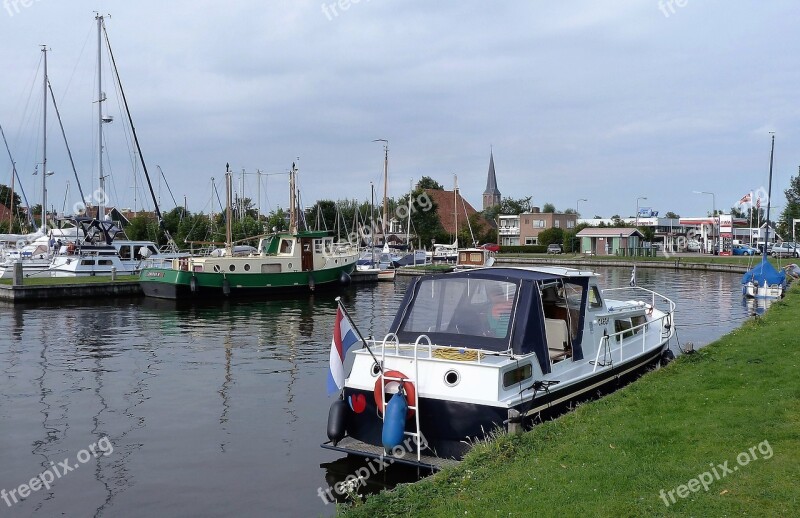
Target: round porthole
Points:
(375, 369)
(217, 268)
(232, 267)
(289, 266)
(451, 378)
(247, 267)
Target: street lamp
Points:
(571, 242)
(713, 214)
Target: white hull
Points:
(751, 290)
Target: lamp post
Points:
(571, 242)
(637, 209)
(713, 215)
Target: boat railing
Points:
(435, 352)
(664, 323)
(654, 296)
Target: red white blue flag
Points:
(344, 336)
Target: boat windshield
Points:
(451, 309)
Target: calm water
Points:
(211, 410)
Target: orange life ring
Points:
(408, 387)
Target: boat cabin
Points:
(504, 310)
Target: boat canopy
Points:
(764, 272)
(499, 309)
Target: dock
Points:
(91, 287)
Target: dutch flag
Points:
(343, 338)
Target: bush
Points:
(525, 249)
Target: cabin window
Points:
(518, 375)
(475, 257)
(329, 246)
(462, 306)
(87, 262)
(104, 262)
(595, 302)
(125, 253)
(232, 267)
(286, 246)
(318, 246)
(624, 328)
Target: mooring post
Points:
(514, 422)
(113, 273)
(17, 274)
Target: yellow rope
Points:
(464, 355)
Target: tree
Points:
(792, 209)
(571, 239)
(548, 207)
(671, 215)
(426, 182)
(5, 198)
(508, 207)
(550, 236)
(736, 212)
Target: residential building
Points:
(508, 230)
(531, 224)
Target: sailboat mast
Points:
(455, 206)
(769, 192)
(228, 189)
(292, 201)
(44, 141)
(100, 98)
(408, 224)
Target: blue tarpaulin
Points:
(764, 271)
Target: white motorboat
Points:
(473, 351)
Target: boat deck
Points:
(356, 447)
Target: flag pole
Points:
(358, 333)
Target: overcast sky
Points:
(578, 99)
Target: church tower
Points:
(491, 196)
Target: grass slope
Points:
(613, 456)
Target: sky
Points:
(609, 102)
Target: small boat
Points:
(472, 351)
(443, 253)
(763, 280)
(470, 258)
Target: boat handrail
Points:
(653, 295)
(665, 322)
(393, 340)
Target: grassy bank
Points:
(736, 398)
(58, 281)
(698, 258)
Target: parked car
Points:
(492, 247)
(785, 249)
(744, 250)
(554, 248)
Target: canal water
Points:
(139, 407)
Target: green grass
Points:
(613, 456)
(703, 259)
(55, 281)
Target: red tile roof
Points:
(445, 203)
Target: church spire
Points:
(491, 196)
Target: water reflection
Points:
(215, 408)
